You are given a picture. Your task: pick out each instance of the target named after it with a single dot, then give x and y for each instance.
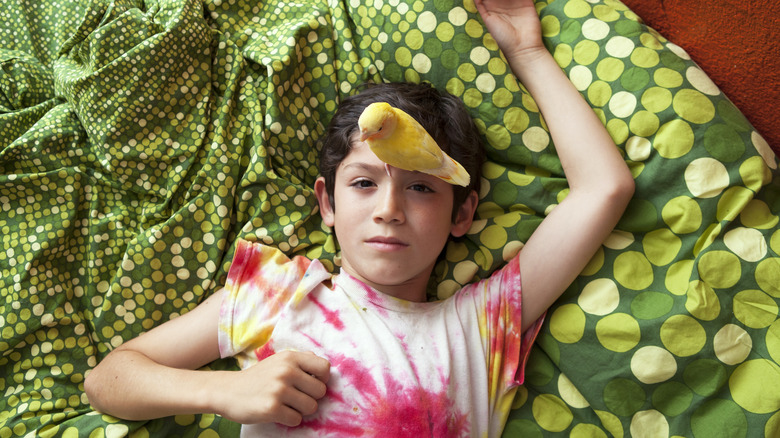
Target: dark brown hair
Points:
(443, 115)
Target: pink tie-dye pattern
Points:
(372, 400)
(392, 408)
(331, 316)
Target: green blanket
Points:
(140, 139)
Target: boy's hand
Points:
(281, 388)
(515, 26)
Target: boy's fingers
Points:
(315, 365)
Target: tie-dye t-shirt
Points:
(398, 368)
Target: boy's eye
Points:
(362, 183)
(421, 188)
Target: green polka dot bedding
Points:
(140, 138)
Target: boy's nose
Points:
(389, 206)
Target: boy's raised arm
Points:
(155, 375)
(600, 183)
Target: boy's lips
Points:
(386, 243)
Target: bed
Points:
(140, 139)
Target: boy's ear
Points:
(465, 215)
(326, 207)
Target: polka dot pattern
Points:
(141, 142)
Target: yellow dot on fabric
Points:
(661, 246)
(486, 83)
(732, 202)
(619, 46)
(414, 39)
(651, 364)
(638, 148)
(479, 55)
(706, 177)
(403, 56)
(755, 174)
(550, 26)
(673, 139)
(497, 67)
(656, 99)
(493, 237)
(619, 239)
(563, 55)
(747, 243)
(116, 430)
(445, 32)
(682, 335)
(595, 30)
(610, 422)
(649, 424)
(633, 271)
(586, 52)
(618, 332)
(551, 413)
(755, 309)
(667, 78)
(757, 214)
(498, 137)
(458, 16)
(702, 302)
(581, 77)
(622, 104)
(536, 139)
(570, 394)
(610, 69)
(706, 238)
(772, 425)
(595, 263)
(774, 242)
(755, 386)
(576, 8)
(599, 297)
(720, 269)
(768, 276)
(772, 340)
(586, 430)
(516, 120)
(599, 93)
(693, 106)
(682, 215)
(644, 57)
(421, 63)
(426, 22)
(502, 98)
(467, 72)
(701, 81)
(567, 323)
(644, 124)
(464, 271)
(764, 150)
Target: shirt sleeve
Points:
(499, 305)
(262, 282)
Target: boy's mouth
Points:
(383, 243)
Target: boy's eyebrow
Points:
(362, 165)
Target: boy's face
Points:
(391, 228)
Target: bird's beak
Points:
(364, 135)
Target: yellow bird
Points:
(399, 140)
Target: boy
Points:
(362, 353)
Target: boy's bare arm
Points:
(155, 376)
(600, 183)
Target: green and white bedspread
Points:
(139, 139)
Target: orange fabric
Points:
(737, 43)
